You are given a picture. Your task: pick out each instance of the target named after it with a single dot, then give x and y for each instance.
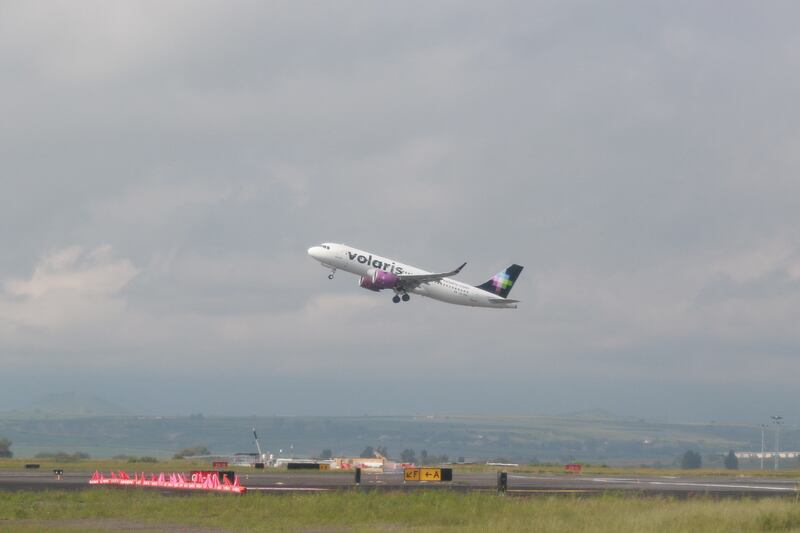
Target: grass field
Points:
(435, 511)
(632, 471)
(104, 465)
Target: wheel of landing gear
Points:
(330, 276)
(396, 299)
(406, 297)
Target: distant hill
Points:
(72, 404)
(597, 414)
(521, 439)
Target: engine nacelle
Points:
(377, 280)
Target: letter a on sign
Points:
(431, 474)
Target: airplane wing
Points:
(409, 282)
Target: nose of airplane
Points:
(314, 251)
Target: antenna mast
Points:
(258, 446)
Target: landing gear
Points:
(333, 271)
(400, 295)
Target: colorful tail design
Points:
(501, 283)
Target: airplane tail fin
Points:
(502, 282)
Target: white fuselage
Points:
(359, 262)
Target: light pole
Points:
(777, 421)
(763, 427)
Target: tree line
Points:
(692, 460)
(5, 448)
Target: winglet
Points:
(456, 271)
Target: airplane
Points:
(377, 273)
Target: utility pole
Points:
(777, 421)
(763, 427)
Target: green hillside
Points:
(597, 437)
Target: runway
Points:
(518, 484)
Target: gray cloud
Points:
(163, 168)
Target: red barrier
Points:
(208, 481)
(573, 467)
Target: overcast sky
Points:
(164, 166)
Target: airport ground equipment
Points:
(199, 476)
(502, 482)
(201, 481)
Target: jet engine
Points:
(377, 280)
